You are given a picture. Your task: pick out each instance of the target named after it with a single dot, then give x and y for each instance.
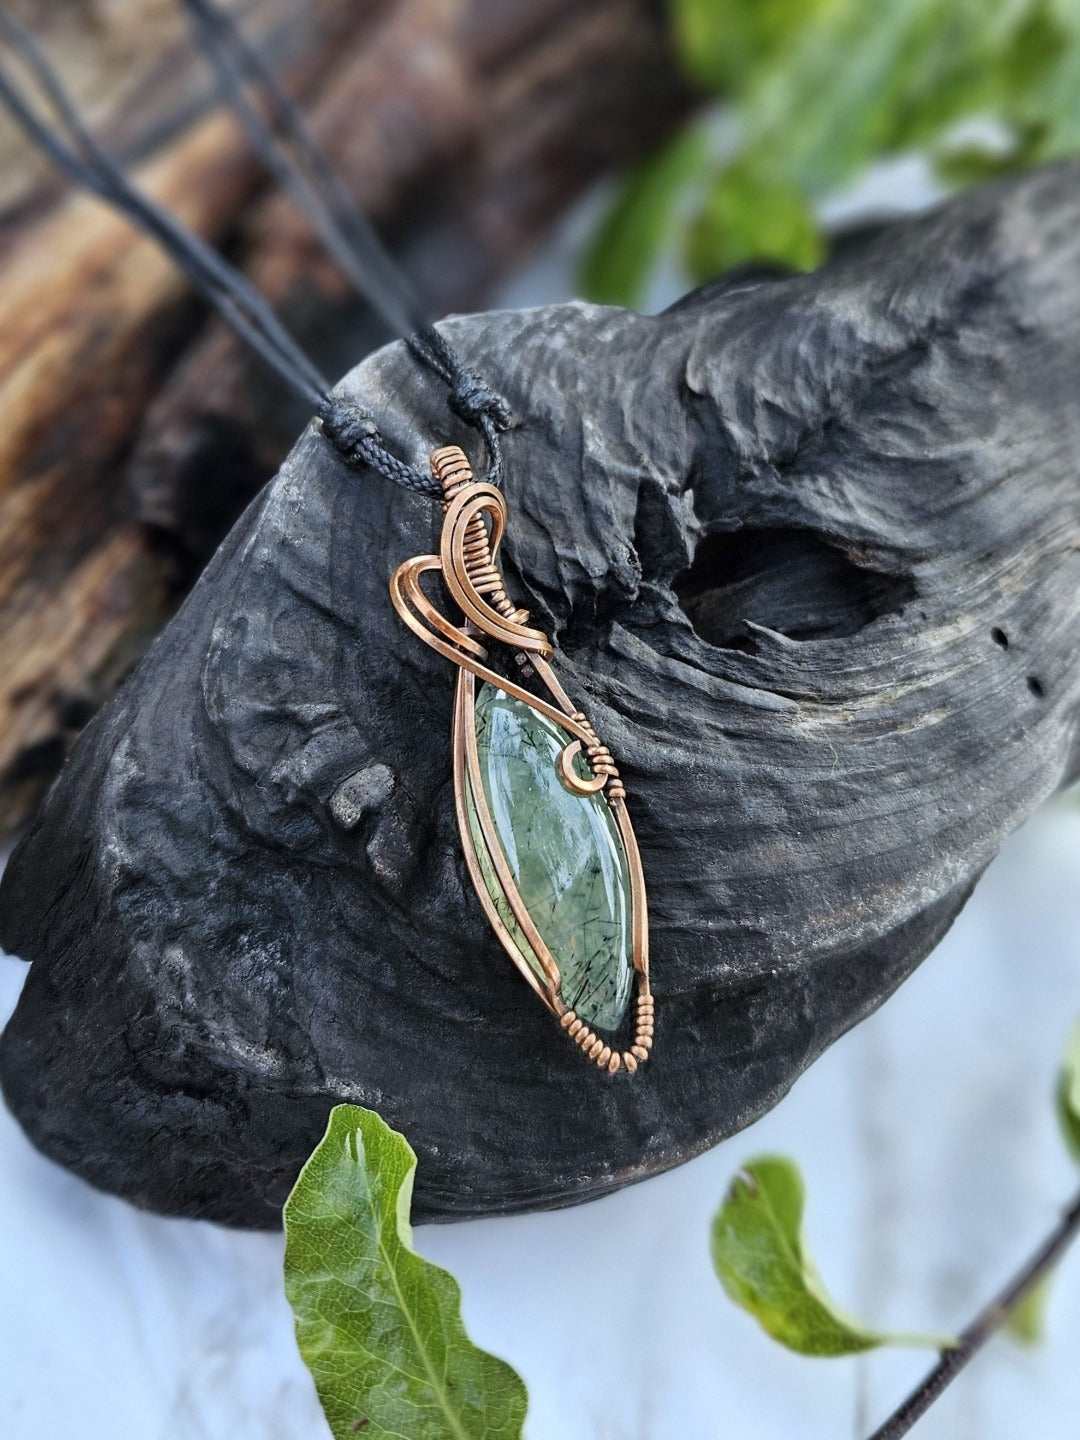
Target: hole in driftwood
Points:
(1037, 688)
(999, 637)
(791, 581)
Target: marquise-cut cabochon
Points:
(565, 853)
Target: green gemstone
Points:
(565, 853)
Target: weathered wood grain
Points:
(463, 126)
(810, 549)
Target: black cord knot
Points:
(473, 400)
(356, 438)
(346, 424)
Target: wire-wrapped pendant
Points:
(540, 805)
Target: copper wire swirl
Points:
(473, 526)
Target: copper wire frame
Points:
(473, 525)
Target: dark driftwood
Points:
(811, 551)
(126, 419)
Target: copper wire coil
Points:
(475, 522)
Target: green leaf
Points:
(970, 164)
(1068, 1094)
(633, 231)
(870, 78)
(1027, 1322)
(380, 1328)
(745, 217)
(761, 1258)
(1041, 78)
(821, 88)
(724, 45)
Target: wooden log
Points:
(488, 145)
(810, 551)
(133, 71)
(127, 419)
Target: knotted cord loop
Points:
(473, 400)
(355, 436)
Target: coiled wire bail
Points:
(451, 468)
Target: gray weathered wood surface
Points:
(810, 548)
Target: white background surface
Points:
(927, 1137)
(928, 1140)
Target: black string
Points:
(345, 231)
(78, 155)
(471, 398)
(303, 170)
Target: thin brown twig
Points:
(985, 1324)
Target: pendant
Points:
(540, 806)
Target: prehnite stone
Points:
(565, 853)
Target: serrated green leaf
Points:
(761, 1257)
(1068, 1094)
(618, 260)
(379, 1327)
(1027, 1322)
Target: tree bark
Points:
(133, 428)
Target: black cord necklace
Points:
(528, 766)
